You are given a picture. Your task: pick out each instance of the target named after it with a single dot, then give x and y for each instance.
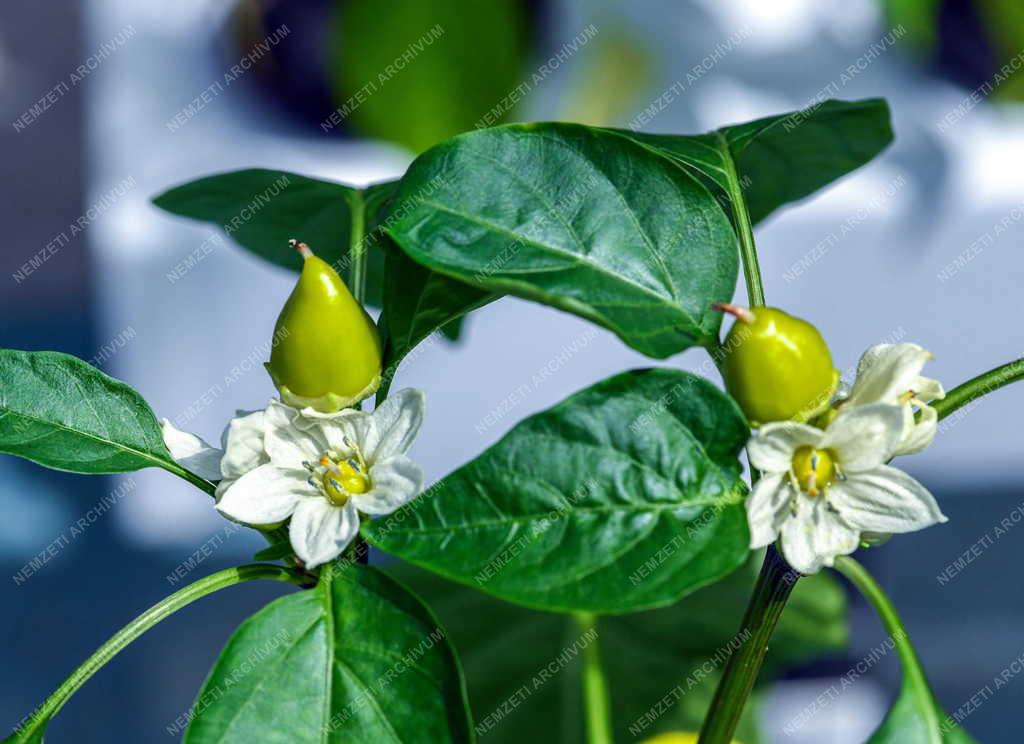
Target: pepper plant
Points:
(598, 566)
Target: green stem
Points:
(776, 581)
(914, 679)
(357, 247)
(748, 250)
(167, 606)
(914, 683)
(983, 384)
(201, 483)
(595, 687)
(774, 585)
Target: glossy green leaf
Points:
(262, 209)
(420, 77)
(585, 220)
(624, 496)
(782, 159)
(506, 649)
(61, 412)
(357, 659)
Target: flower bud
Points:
(777, 367)
(327, 352)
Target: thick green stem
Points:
(983, 384)
(776, 580)
(595, 687)
(39, 719)
(748, 250)
(357, 247)
(774, 585)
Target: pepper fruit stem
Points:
(303, 249)
(740, 313)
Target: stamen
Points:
(330, 465)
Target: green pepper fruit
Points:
(327, 352)
(776, 366)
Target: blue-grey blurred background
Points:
(924, 244)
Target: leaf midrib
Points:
(157, 461)
(733, 497)
(575, 258)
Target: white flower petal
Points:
(265, 495)
(797, 542)
(885, 500)
(192, 452)
(918, 435)
(833, 535)
(927, 389)
(223, 487)
(864, 437)
(396, 481)
(287, 445)
(887, 371)
(320, 531)
(243, 445)
(768, 508)
(397, 421)
(344, 433)
(771, 449)
(815, 535)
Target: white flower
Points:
(819, 490)
(891, 373)
(320, 470)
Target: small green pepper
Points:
(776, 366)
(326, 352)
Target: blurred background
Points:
(109, 102)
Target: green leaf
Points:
(358, 658)
(275, 552)
(417, 303)
(917, 718)
(506, 649)
(585, 220)
(624, 496)
(784, 158)
(58, 411)
(262, 209)
(420, 78)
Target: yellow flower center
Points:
(342, 479)
(814, 469)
